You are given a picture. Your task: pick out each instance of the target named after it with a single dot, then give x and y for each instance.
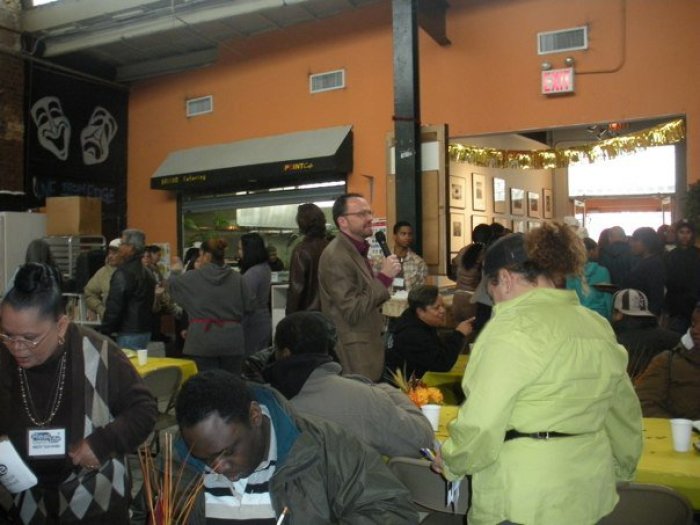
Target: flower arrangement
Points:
(168, 502)
(420, 393)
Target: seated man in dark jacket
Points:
(414, 343)
(380, 415)
(637, 329)
(670, 386)
(250, 444)
(129, 308)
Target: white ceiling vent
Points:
(200, 106)
(572, 39)
(327, 81)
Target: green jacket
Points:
(97, 289)
(324, 475)
(545, 363)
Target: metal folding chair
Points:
(428, 491)
(164, 384)
(642, 504)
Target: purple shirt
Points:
(363, 247)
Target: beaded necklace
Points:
(28, 402)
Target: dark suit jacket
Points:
(351, 297)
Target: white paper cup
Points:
(142, 356)
(432, 413)
(681, 429)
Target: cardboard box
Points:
(73, 216)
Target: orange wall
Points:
(642, 62)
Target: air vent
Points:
(564, 40)
(200, 106)
(327, 81)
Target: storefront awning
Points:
(282, 160)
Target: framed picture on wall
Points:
(547, 204)
(458, 188)
(479, 219)
(517, 201)
(457, 230)
(478, 192)
(533, 204)
(504, 221)
(519, 225)
(499, 195)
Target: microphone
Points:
(381, 240)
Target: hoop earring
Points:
(61, 340)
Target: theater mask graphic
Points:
(97, 135)
(53, 127)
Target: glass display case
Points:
(272, 214)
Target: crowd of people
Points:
(573, 341)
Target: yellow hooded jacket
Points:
(545, 363)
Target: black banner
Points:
(76, 142)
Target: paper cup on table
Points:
(142, 356)
(681, 429)
(432, 413)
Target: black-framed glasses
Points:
(363, 213)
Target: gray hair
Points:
(135, 238)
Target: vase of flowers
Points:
(427, 398)
(420, 393)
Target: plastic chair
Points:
(164, 384)
(428, 491)
(642, 504)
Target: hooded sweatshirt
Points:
(591, 298)
(618, 259)
(216, 300)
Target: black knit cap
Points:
(506, 251)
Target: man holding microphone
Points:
(351, 295)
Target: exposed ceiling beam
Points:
(203, 12)
(167, 65)
(432, 16)
(69, 12)
(69, 71)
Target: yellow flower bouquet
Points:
(420, 393)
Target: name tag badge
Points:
(398, 282)
(46, 442)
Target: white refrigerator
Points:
(17, 230)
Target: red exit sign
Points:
(557, 81)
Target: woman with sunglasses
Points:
(71, 404)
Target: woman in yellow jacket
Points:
(551, 420)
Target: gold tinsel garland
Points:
(661, 135)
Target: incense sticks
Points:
(168, 502)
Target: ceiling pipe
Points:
(63, 69)
(87, 38)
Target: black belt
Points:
(514, 434)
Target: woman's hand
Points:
(83, 456)
(436, 465)
(176, 265)
(466, 327)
